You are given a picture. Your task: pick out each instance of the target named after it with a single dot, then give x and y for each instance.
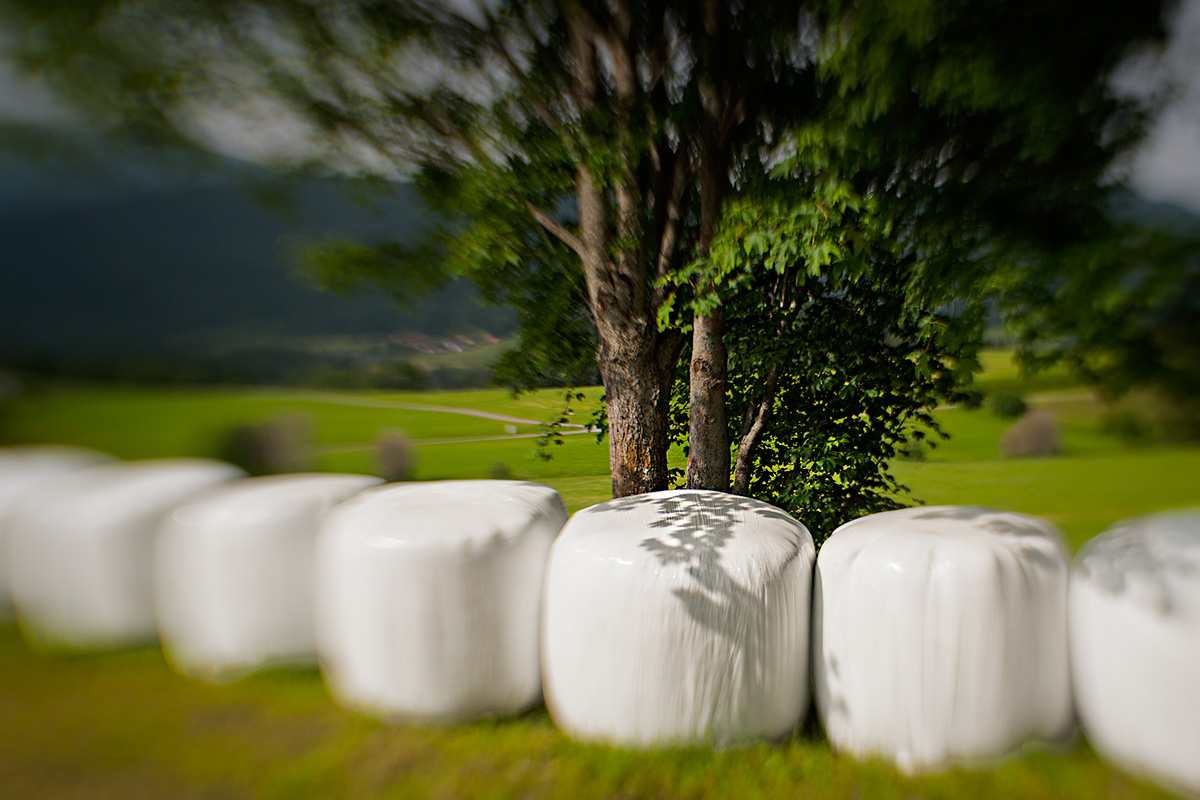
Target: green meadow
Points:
(122, 725)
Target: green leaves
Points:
(407, 273)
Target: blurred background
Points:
(162, 298)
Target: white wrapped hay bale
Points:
(81, 549)
(678, 617)
(427, 597)
(939, 634)
(233, 570)
(1135, 645)
(21, 469)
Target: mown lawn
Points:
(123, 726)
(145, 423)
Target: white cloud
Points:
(26, 99)
(1167, 167)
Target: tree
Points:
(1121, 310)
(835, 358)
(614, 135)
(944, 152)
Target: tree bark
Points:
(708, 435)
(636, 360)
(637, 367)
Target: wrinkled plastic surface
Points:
(233, 571)
(678, 617)
(1135, 645)
(21, 469)
(939, 634)
(427, 597)
(81, 549)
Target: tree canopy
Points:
(789, 196)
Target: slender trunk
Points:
(755, 424)
(708, 436)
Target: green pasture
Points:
(145, 423)
(1082, 496)
(1000, 373)
(123, 726)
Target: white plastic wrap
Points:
(939, 634)
(22, 468)
(1135, 645)
(81, 549)
(233, 571)
(427, 597)
(678, 617)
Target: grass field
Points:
(123, 726)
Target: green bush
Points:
(971, 399)
(501, 471)
(1007, 405)
(1177, 419)
(1128, 426)
(914, 448)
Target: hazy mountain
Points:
(1130, 207)
(155, 264)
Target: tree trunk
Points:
(636, 361)
(708, 435)
(637, 365)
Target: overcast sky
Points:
(1167, 167)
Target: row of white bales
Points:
(937, 634)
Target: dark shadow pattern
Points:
(1024, 536)
(1024, 529)
(696, 527)
(1151, 552)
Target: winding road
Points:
(365, 402)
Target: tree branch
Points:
(540, 108)
(668, 240)
(750, 440)
(593, 233)
(556, 228)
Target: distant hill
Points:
(1130, 207)
(196, 269)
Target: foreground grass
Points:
(124, 726)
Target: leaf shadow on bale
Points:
(1027, 539)
(697, 527)
(1147, 554)
(1027, 531)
